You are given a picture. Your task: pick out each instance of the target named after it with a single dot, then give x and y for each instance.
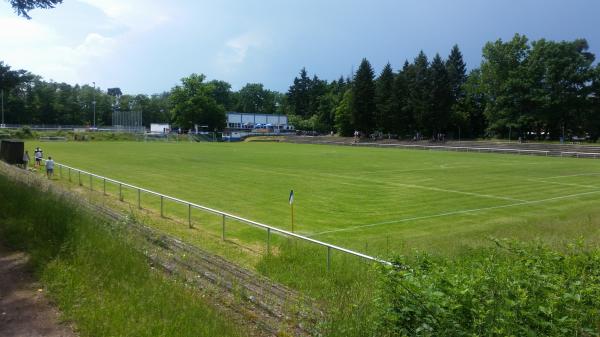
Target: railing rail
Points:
(225, 215)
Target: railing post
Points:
(223, 229)
(328, 258)
(69, 174)
(139, 199)
(161, 206)
(120, 192)
(104, 186)
(190, 215)
(269, 241)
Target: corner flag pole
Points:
(291, 200)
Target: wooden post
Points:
(139, 199)
(190, 215)
(104, 186)
(120, 192)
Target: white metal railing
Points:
(224, 215)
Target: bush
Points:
(514, 289)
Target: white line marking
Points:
(562, 184)
(573, 175)
(454, 213)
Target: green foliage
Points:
(343, 115)
(254, 98)
(94, 275)
(193, 103)
(362, 104)
(22, 7)
(514, 289)
(384, 95)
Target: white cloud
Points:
(236, 50)
(139, 15)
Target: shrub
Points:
(514, 289)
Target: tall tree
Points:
(505, 84)
(419, 88)
(457, 72)
(298, 94)
(254, 98)
(441, 96)
(401, 117)
(363, 98)
(193, 103)
(384, 92)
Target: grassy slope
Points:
(338, 188)
(96, 278)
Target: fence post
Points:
(161, 206)
(139, 199)
(104, 186)
(120, 192)
(269, 241)
(79, 177)
(328, 258)
(190, 215)
(69, 174)
(223, 229)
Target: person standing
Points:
(49, 167)
(25, 159)
(38, 154)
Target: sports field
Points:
(364, 198)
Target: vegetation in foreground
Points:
(97, 279)
(513, 289)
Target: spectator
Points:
(38, 154)
(49, 167)
(25, 159)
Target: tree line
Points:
(539, 89)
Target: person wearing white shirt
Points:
(49, 167)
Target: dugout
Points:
(11, 151)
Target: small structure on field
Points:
(11, 151)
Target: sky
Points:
(146, 46)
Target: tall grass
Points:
(104, 286)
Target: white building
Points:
(248, 121)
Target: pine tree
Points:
(299, 94)
(419, 88)
(441, 97)
(363, 98)
(457, 72)
(401, 118)
(384, 91)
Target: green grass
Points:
(373, 200)
(97, 279)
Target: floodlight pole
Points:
(2, 107)
(94, 103)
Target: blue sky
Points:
(147, 46)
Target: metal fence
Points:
(546, 153)
(70, 171)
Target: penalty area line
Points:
(465, 211)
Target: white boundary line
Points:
(453, 213)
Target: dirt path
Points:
(24, 310)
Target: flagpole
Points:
(292, 217)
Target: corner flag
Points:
(291, 197)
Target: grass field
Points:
(373, 200)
